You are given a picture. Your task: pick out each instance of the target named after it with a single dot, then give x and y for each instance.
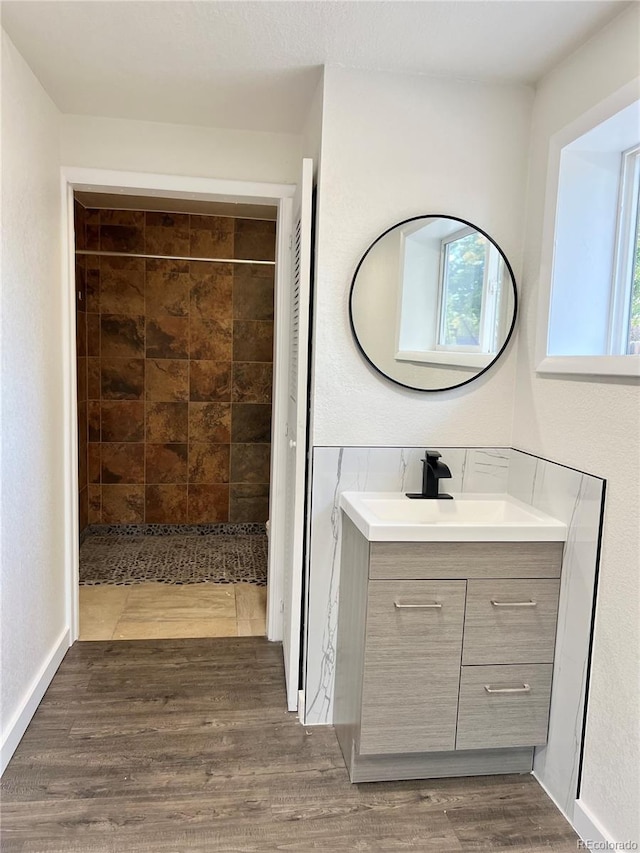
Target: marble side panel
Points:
(576, 499)
(486, 469)
(335, 470)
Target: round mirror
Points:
(433, 303)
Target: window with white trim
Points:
(594, 299)
(455, 296)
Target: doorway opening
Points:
(175, 310)
(177, 468)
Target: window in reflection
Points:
(450, 297)
(469, 293)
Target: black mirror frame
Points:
(509, 333)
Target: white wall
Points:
(312, 128)
(172, 149)
(396, 146)
(594, 426)
(33, 436)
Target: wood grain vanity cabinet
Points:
(444, 655)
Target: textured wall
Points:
(178, 368)
(174, 149)
(396, 146)
(592, 424)
(34, 433)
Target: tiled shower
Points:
(174, 365)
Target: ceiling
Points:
(255, 65)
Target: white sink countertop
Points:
(393, 517)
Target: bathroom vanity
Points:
(446, 634)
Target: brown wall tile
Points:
(121, 286)
(210, 422)
(167, 288)
(79, 224)
(166, 463)
(121, 335)
(122, 420)
(121, 238)
(252, 340)
(166, 380)
(122, 504)
(168, 337)
(93, 379)
(211, 339)
(250, 463)
(122, 463)
(250, 423)
(166, 504)
(160, 377)
(252, 382)
(81, 379)
(121, 231)
(81, 333)
(122, 378)
(208, 463)
(253, 292)
(93, 334)
(255, 239)
(208, 504)
(82, 446)
(94, 462)
(134, 218)
(212, 290)
(167, 423)
(83, 508)
(94, 494)
(92, 283)
(93, 424)
(210, 381)
(249, 502)
(211, 237)
(166, 233)
(92, 237)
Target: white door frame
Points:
(203, 189)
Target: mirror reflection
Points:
(432, 302)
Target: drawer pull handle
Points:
(432, 605)
(524, 689)
(529, 603)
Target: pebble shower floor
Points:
(173, 557)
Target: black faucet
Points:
(433, 471)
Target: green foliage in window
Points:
(465, 270)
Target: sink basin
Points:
(392, 517)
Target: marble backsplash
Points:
(571, 496)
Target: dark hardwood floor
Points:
(185, 745)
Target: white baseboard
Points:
(587, 825)
(21, 719)
(561, 809)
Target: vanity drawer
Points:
(425, 560)
(503, 706)
(413, 643)
(510, 621)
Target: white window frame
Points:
(628, 211)
(574, 365)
